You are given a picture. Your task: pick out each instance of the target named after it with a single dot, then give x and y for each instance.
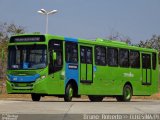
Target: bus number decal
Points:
(72, 66)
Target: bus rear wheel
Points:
(127, 94)
(95, 98)
(68, 93)
(35, 97)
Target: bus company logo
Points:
(128, 74)
(9, 117)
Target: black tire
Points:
(68, 93)
(119, 98)
(35, 97)
(95, 98)
(127, 94)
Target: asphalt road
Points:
(50, 109)
(78, 106)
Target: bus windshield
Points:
(27, 57)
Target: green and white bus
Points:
(48, 65)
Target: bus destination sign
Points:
(32, 38)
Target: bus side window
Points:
(100, 55)
(112, 56)
(89, 55)
(134, 59)
(83, 56)
(154, 61)
(123, 58)
(146, 61)
(71, 52)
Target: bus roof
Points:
(98, 41)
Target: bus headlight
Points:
(42, 77)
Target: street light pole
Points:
(47, 13)
(47, 24)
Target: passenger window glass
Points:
(83, 55)
(89, 55)
(86, 55)
(124, 58)
(146, 61)
(112, 56)
(134, 59)
(71, 52)
(100, 55)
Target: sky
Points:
(88, 19)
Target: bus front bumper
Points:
(26, 88)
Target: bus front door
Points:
(146, 69)
(86, 64)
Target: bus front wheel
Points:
(68, 93)
(127, 94)
(35, 97)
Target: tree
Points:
(6, 30)
(14, 29)
(120, 37)
(3, 33)
(153, 42)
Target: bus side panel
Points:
(71, 69)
